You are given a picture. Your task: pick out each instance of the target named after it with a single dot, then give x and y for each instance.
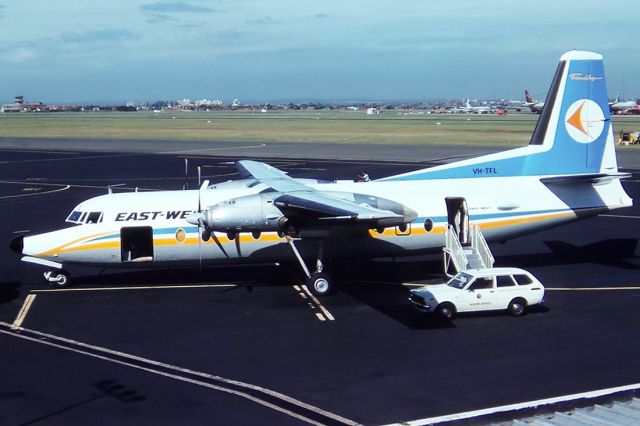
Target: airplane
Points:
(567, 172)
(476, 109)
(621, 107)
(468, 109)
(535, 106)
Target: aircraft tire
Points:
(320, 284)
(61, 279)
(517, 307)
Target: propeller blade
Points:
(199, 218)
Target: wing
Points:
(302, 201)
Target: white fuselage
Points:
(503, 207)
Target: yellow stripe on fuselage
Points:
(63, 248)
(270, 237)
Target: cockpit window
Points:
(94, 217)
(74, 217)
(82, 218)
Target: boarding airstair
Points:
(473, 255)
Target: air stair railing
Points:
(453, 252)
(479, 244)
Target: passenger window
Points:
(481, 283)
(504, 281)
(522, 279)
(94, 217)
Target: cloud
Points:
(175, 7)
(98, 36)
(265, 20)
(17, 55)
(160, 18)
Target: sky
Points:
(68, 51)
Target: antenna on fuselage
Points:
(185, 185)
(110, 187)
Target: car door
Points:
(506, 291)
(478, 296)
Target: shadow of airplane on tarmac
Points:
(617, 253)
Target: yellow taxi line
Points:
(28, 302)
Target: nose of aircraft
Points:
(17, 244)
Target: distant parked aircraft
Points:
(618, 107)
(535, 106)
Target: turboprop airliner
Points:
(567, 172)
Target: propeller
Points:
(199, 218)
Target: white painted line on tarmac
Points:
(591, 288)
(169, 375)
(620, 216)
(150, 287)
(28, 301)
(320, 305)
(71, 185)
(36, 193)
(520, 406)
(62, 342)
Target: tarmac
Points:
(245, 345)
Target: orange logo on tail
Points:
(576, 120)
(584, 121)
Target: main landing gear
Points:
(58, 278)
(318, 283)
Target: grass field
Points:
(284, 126)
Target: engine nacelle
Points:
(245, 214)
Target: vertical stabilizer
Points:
(575, 125)
(573, 134)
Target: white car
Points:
(474, 290)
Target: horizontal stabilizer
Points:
(585, 178)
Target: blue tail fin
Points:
(573, 134)
(577, 125)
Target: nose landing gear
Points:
(58, 278)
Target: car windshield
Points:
(460, 280)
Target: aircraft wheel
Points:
(517, 307)
(59, 278)
(446, 311)
(320, 284)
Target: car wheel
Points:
(446, 311)
(517, 307)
